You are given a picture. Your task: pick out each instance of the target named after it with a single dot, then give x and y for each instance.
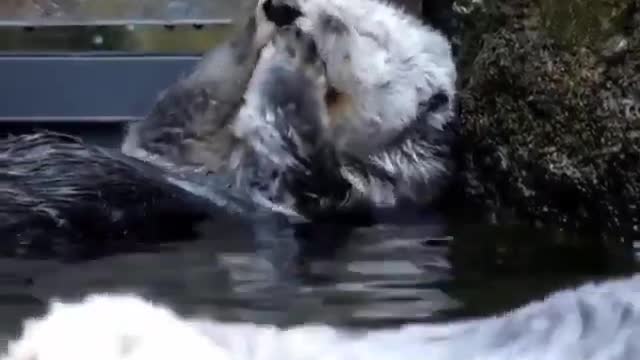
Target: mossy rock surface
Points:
(551, 122)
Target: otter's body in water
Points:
(64, 198)
(591, 322)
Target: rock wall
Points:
(550, 110)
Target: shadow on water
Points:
(435, 270)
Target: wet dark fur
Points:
(63, 198)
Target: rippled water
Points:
(381, 275)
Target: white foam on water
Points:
(594, 321)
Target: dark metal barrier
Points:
(84, 88)
(58, 77)
(89, 95)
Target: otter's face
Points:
(380, 65)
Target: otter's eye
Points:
(281, 15)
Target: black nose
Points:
(281, 15)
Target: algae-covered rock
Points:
(550, 108)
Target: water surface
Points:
(388, 274)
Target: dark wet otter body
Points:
(64, 198)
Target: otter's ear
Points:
(279, 13)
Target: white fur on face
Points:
(386, 61)
(591, 322)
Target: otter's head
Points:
(381, 65)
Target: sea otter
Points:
(592, 321)
(290, 124)
(385, 129)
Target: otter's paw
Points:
(281, 12)
(306, 109)
(302, 51)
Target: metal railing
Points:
(167, 23)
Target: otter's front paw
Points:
(301, 48)
(281, 12)
(318, 188)
(307, 116)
